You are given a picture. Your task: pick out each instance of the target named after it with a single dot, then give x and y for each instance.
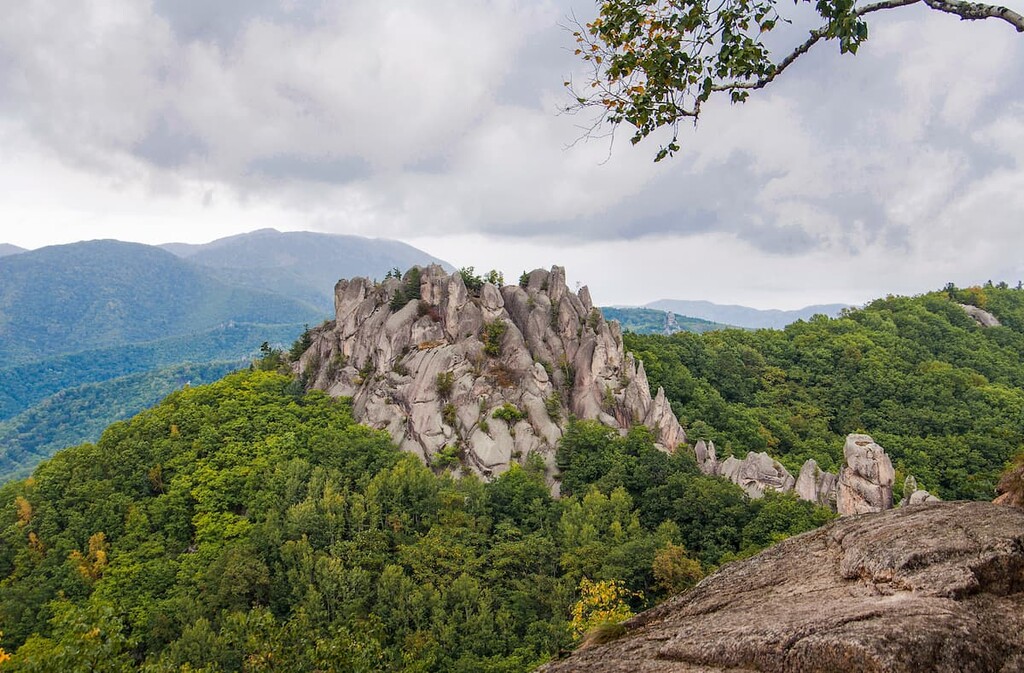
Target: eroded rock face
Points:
(434, 371)
(980, 315)
(816, 485)
(865, 484)
(757, 473)
(928, 588)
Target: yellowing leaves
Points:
(91, 566)
(602, 602)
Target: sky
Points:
(439, 123)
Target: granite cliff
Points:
(482, 375)
(935, 587)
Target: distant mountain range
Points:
(96, 331)
(654, 321)
(300, 264)
(744, 316)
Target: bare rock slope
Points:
(936, 587)
(485, 375)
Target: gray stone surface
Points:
(980, 315)
(865, 484)
(558, 356)
(936, 587)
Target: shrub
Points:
(445, 383)
(492, 335)
(448, 415)
(553, 405)
(509, 413)
(473, 282)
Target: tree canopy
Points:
(656, 62)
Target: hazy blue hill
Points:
(94, 294)
(80, 414)
(301, 264)
(744, 316)
(8, 249)
(653, 321)
(24, 385)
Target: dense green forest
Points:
(248, 525)
(942, 394)
(78, 414)
(24, 385)
(95, 294)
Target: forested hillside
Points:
(95, 294)
(941, 393)
(246, 525)
(80, 413)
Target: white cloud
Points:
(439, 121)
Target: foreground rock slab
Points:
(937, 587)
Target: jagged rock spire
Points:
(487, 375)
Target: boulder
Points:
(980, 315)
(757, 473)
(936, 588)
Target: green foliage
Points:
(493, 333)
(473, 282)
(655, 63)
(80, 414)
(448, 457)
(409, 290)
(494, 277)
(444, 384)
(301, 344)
(943, 395)
(509, 413)
(243, 524)
(553, 405)
(448, 414)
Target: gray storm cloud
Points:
(409, 119)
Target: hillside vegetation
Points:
(71, 298)
(80, 413)
(246, 525)
(942, 394)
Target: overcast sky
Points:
(437, 123)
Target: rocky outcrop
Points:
(912, 495)
(485, 376)
(935, 588)
(816, 485)
(980, 315)
(757, 473)
(865, 484)
(707, 459)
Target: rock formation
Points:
(485, 376)
(757, 473)
(816, 485)
(865, 484)
(935, 588)
(912, 495)
(980, 315)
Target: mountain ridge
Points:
(744, 316)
